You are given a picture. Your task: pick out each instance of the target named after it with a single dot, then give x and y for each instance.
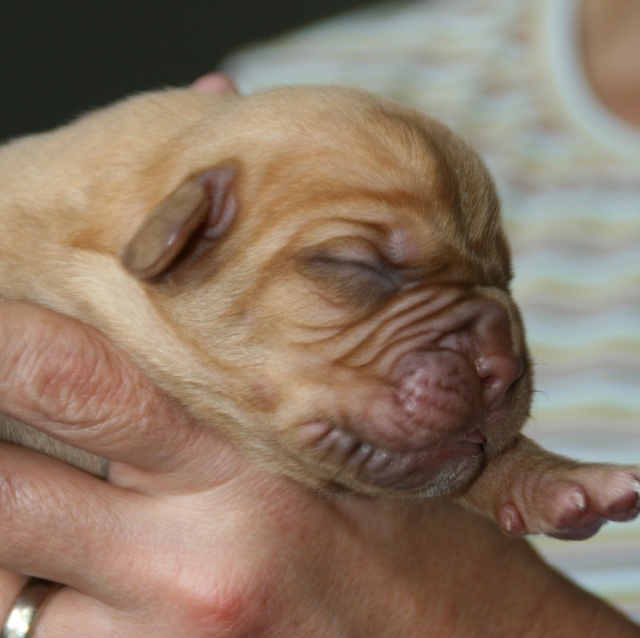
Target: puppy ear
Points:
(203, 204)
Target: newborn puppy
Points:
(316, 272)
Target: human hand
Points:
(187, 537)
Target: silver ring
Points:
(23, 615)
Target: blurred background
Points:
(59, 58)
(510, 76)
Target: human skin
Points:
(188, 538)
(609, 32)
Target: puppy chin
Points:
(337, 458)
(452, 477)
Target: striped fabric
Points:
(506, 75)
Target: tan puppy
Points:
(318, 273)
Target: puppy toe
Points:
(511, 521)
(595, 495)
(573, 503)
(626, 506)
(614, 493)
(579, 533)
(573, 508)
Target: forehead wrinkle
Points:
(386, 162)
(446, 166)
(305, 196)
(465, 210)
(437, 172)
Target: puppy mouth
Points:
(440, 469)
(423, 433)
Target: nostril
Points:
(498, 374)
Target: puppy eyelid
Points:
(337, 260)
(370, 266)
(371, 262)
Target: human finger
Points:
(67, 380)
(10, 586)
(214, 83)
(132, 564)
(58, 523)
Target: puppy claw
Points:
(578, 499)
(511, 521)
(576, 510)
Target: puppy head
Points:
(341, 258)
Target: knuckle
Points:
(16, 502)
(67, 382)
(10, 495)
(19, 494)
(49, 372)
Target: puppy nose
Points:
(498, 373)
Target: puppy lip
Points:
(471, 444)
(476, 437)
(424, 470)
(376, 467)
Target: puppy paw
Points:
(572, 503)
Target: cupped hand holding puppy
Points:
(187, 538)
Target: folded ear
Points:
(203, 204)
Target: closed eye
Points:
(355, 281)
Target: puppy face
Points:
(317, 273)
(341, 259)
